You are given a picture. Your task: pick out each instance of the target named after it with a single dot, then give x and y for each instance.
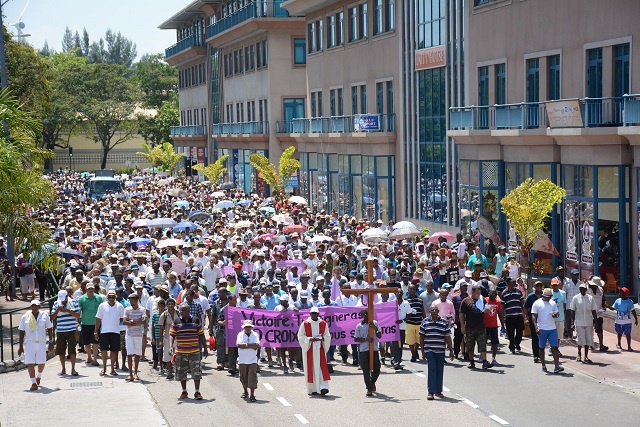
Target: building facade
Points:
(549, 93)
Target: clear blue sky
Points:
(137, 20)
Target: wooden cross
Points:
(370, 293)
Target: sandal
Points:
(579, 359)
(62, 373)
(430, 396)
(587, 360)
(197, 395)
(252, 399)
(74, 373)
(244, 395)
(114, 373)
(104, 372)
(184, 395)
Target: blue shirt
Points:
(560, 298)
(623, 307)
(65, 322)
(362, 331)
(270, 302)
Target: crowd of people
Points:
(150, 272)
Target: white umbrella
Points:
(225, 204)
(298, 200)
(321, 238)
(375, 235)
(161, 223)
(218, 194)
(170, 242)
(163, 182)
(403, 224)
(282, 219)
(404, 233)
(244, 224)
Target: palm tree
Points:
(152, 154)
(215, 170)
(23, 189)
(276, 178)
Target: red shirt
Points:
(491, 315)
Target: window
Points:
(315, 35)
(261, 50)
(384, 98)
(483, 86)
(299, 51)
(247, 61)
(236, 63)
(320, 34)
(533, 80)
(621, 70)
(354, 100)
(501, 84)
(331, 31)
(239, 113)
(362, 22)
(251, 111)
(431, 24)
(378, 17)
(390, 15)
(339, 28)
(380, 98)
(314, 111)
(390, 109)
(229, 113)
(363, 99)
(262, 105)
(353, 24)
(594, 73)
(241, 60)
(252, 56)
(293, 108)
(553, 78)
(335, 101)
(359, 96)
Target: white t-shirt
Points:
(110, 317)
(40, 334)
(544, 310)
(247, 356)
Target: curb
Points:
(17, 364)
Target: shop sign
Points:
(367, 122)
(564, 114)
(432, 57)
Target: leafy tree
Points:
(156, 128)
(113, 48)
(169, 159)
(157, 80)
(22, 187)
(45, 51)
(276, 178)
(215, 170)
(152, 154)
(106, 99)
(527, 207)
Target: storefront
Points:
(361, 186)
(240, 171)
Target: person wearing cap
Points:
(89, 303)
(514, 316)
(108, 320)
(248, 343)
(315, 340)
(584, 316)
(513, 266)
(65, 312)
(544, 312)
(624, 308)
(472, 326)
(187, 338)
(572, 288)
(135, 319)
(560, 298)
(595, 290)
(528, 304)
(35, 326)
(435, 339)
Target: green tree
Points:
(527, 206)
(169, 159)
(157, 80)
(22, 187)
(278, 177)
(113, 48)
(106, 99)
(215, 170)
(152, 154)
(156, 128)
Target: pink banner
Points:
(228, 269)
(280, 329)
(290, 263)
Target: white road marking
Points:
(302, 419)
(283, 401)
(470, 403)
(499, 420)
(268, 386)
(420, 374)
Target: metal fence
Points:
(337, 124)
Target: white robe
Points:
(318, 382)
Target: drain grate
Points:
(86, 384)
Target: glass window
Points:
(311, 35)
(299, 51)
(363, 99)
(621, 70)
(353, 24)
(314, 112)
(553, 80)
(331, 31)
(363, 22)
(320, 36)
(354, 100)
(379, 18)
(340, 103)
(501, 84)
(594, 73)
(320, 103)
(533, 80)
(332, 102)
(608, 183)
(340, 28)
(390, 15)
(483, 85)
(380, 98)
(382, 199)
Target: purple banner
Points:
(228, 269)
(290, 263)
(280, 329)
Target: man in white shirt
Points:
(248, 343)
(34, 327)
(108, 318)
(544, 312)
(210, 273)
(201, 260)
(583, 313)
(396, 347)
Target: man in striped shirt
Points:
(185, 338)
(65, 313)
(513, 302)
(435, 336)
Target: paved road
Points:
(515, 393)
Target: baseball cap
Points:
(583, 285)
(314, 310)
(247, 324)
(625, 291)
(547, 292)
(35, 302)
(284, 297)
(468, 274)
(62, 295)
(575, 271)
(304, 294)
(555, 281)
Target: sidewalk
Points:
(87, 399)
(615, 367)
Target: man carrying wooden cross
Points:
(362, 337)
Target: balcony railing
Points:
(256, 9)
(245, 128)
(596, 112)
(184, 44)
(188, 130)
(336, 124)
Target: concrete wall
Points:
(512, 30)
